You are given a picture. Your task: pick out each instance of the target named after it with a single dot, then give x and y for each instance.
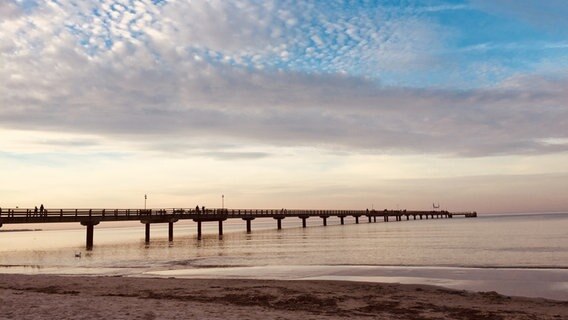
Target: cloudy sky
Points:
(296, 104)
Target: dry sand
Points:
(74, 297)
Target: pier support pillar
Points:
(414, 217)
(386, 218)
(407, 218)
(90, 233)
(324, 221)
(375, 219)
(147, 237)
(170, 231)
(357, 219)
(90, 236)
(220, 227)
(303, 222)
(198, 230)
(248, 220)
(369, 217)
(279, 222)
(341, 219)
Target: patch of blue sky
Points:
(473, 27)
(503, 46)
(30, 5)
(159, 2)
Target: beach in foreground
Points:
(80, 297)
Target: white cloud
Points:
(97, 75)
(9, 9)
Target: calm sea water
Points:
(501, 242)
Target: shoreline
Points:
(530, 283)
(118, 297)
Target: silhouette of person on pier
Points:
(41, 209)
(203, 209)
(35, 211)
(197, 209)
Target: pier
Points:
(92, 217)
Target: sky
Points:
(285, 104)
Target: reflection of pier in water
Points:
(91, 217)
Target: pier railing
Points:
(6, 214)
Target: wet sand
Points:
(80, 297)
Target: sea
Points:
(512, 254)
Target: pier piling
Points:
(279, 222)
(248, 221)
(90, 233)
(147, 238)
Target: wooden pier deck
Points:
(92, 217)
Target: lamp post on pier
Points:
(145, 198)
(223, 201)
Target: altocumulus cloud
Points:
(263, 73)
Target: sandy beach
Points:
(80, 297)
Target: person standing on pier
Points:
(41, 210)
(197, 209)
(35, 211)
